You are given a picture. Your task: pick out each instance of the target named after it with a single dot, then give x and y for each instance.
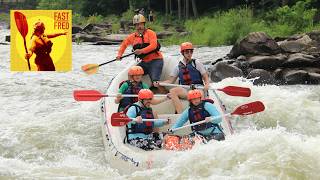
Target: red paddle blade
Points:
(87, 95)
(119, 119)
(236, 91)
(250, 108)
(21, 23)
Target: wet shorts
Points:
(153, 68)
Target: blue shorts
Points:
(153, 68)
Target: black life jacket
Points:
(188, 74)
(143, 45)
(146, 127)
(199, 113)
(126, 101)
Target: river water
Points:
(46, 134)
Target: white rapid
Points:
(45, 134)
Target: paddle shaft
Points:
(115, 59)
(115, 95)
(25, 48)
(197, 123)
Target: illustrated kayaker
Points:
(146, 47)
(42, 46)
(198, 110)
(140, 133)
(189, 71)
(132, 86)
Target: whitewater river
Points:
(45, 134)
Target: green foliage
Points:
(95, 19)
(4, 17)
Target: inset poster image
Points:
(41, 40)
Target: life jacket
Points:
(143, 45)
(145, 127)
(126, 101)
(199, 113)
(188, 74)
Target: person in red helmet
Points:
(146, 47)
(189, 72)
(140, 133)
(199, 110)
(132, 86)
(42, 46)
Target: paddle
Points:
(22, 26)
(230, 90)
(121, 119)
(245, 109)
(94, 95)
(93, 68)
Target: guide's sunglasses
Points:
(188, 51)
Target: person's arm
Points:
(131, 113)
(212, 110)
(204, 75)
(31, 49)
(173, 77)
(182, 119)
(122, 88)
(125, 43)
(56, 35)
(155, 101)
(153, 43)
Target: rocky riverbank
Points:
(288, 60)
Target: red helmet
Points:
(185, 46)
(193, 94)
(145, 94)
(135, 70)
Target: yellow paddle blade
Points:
(90, 68)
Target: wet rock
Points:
(222, 70)
(164, 34)
(314, 78)
(7, 39)
(181, 34)
(264, 77)
(256, 43)
(116, 37)
(241, 58)
(106, 43)
(267, 62)
(297, 45)
(301, 60)
(89, 38)
(295, 77)
(76, 29)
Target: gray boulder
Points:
(295, 77)
(299, 60)
(267, 62)
(223, 70)
(263, 77)
(256, 43)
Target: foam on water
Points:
(45, 133)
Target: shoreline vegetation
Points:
(215, 28)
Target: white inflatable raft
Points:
(127, 158)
